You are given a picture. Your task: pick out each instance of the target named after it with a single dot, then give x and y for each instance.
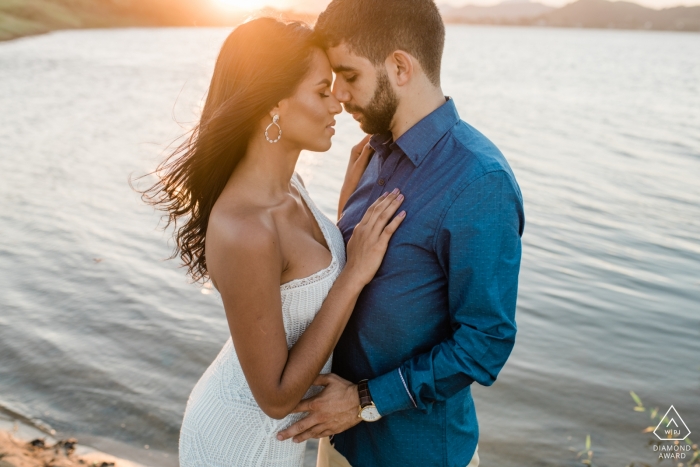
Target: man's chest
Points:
(410, 284)
(424, 202)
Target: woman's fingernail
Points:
(402, 214)
(279, 437)
(396, 190)
(385, 193)
(399, 198)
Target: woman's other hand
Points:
(359, 159)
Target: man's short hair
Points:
(376, 28)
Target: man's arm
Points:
(479, 247)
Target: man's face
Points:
(364, 90)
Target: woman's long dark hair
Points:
(260, 63)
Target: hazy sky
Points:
(647, 3)
(318, 5)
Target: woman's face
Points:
(307, 117)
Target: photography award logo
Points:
(671, 427)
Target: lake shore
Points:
(16, 452)
(25, 445)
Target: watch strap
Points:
(365, 396)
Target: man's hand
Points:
(333, 410)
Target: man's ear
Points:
(401, 66)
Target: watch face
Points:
(370, 414)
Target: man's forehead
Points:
(342, 59)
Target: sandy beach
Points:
(41, 452)
(24, 445)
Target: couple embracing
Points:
(366, 333)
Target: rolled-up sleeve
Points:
(478, 246)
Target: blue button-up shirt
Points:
(440, 312)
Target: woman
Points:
(249, 226)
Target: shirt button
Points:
(381, 182)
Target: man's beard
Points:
(381, 109)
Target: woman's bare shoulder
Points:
(242, 231)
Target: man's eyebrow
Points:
(342, 68)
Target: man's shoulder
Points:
(472, 143)
(472, 155)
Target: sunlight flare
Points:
(244, 4)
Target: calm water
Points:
(102, 339)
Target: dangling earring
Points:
(275, 119)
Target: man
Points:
(440, 312)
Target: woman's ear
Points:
(401, 65)
(280, 108)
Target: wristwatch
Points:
(368, 411)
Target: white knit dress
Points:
(223, 425)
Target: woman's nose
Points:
(336, 108)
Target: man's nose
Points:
(340, 92)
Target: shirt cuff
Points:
(390, 393)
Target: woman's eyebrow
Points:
(324, 81)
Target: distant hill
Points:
(503, 13)
(25, 17)
(621, 15)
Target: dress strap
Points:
(297, 179)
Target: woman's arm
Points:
(246, 262)
(359, 159)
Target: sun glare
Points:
(244, 4)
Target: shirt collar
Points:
(421, 137)
(382, 144)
